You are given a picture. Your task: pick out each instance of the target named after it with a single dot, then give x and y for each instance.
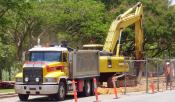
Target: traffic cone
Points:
(75, 91)
(115, 90)
(95, 89)
(152, 87)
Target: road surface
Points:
(168, 96)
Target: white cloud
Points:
(173, 1)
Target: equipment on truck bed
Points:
(111, 62)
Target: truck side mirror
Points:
(25, 56)
(64, 57)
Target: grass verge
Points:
(7, 90)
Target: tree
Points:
(156, 24)
(75, 21)
(10, 12)
(79, 22)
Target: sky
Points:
(173, 1)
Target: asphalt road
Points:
(168, 96)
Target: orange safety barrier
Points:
(75, 91)
(152, 87)
(115, 90)
(95, 89)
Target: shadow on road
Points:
(47, 99)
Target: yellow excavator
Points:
(111, 62)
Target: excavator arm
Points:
(119, 24)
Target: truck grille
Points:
(31, 74)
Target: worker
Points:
(168, 75)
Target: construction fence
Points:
(152, 78)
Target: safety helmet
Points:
(167, 63)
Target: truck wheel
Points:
(62, 91)
(92, 88)
(23, 97)
(87, 88)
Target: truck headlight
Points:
(26, 79)
(37, 79)
(18, 79)
(50, 79)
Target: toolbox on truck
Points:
(84, 63)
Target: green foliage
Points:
(158, 25)
(7, 90)
(11, 14)
(79, 22)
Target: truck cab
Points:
(52, 70)
(41, 74)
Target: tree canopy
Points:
(80, 22)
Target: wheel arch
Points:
(64, 80)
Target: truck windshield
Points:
(45, 56)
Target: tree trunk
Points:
(9, 72)
(140, 71)
(19, 52)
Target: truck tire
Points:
(92, 88)
(61, 91)
(87, 88)
(23, 97)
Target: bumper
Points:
(36, 89)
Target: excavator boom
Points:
(111, 63)
(119, 24)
